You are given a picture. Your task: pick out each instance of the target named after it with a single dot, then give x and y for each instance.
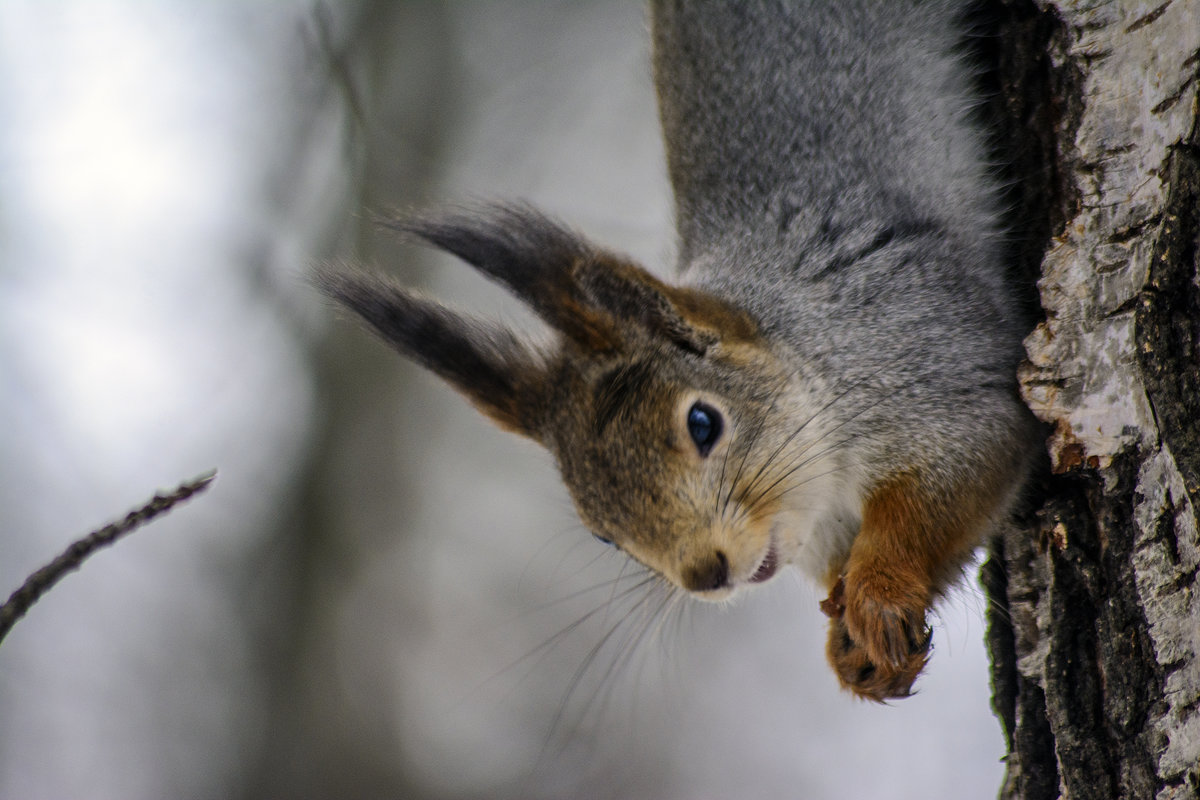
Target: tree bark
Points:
(1094, 626)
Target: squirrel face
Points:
(661, 404)
(658, 451)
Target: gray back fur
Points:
(829, 178)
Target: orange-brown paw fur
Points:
(885, 615)
(864, 677)
(878, 639)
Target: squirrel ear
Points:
(503, 377)
(590, 295)
(690, 318)
(532, 256)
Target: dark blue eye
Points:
(704, 426)
(600, 538)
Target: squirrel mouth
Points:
(767, 568)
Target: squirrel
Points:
(830, 382)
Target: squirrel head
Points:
(656, 401)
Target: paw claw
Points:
(869, 679)
(878, 639)
(886, 617)
(834, 605)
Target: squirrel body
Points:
(831, 382)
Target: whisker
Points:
(830, 448)
(993, 606)
(542, 650)
(668, 616)
(553, 539)
(601, 553)
(784, 492)
(762, 423)
(628, 648)
(834, 400)
(584, 667)
(608, 605)
(680, 607)
(641, 575)
(721, 481)
(801, 464)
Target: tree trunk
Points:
(1094, 629)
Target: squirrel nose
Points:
(708, 575)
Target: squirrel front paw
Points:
(878, 639)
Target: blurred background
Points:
(382, 595)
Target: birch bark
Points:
(1095, 620)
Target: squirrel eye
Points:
(704, 426)
(601, 539)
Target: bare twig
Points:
(70, 559)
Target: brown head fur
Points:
(611, 398)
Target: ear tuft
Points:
(595, 298)
(502, 376)
(528, 253)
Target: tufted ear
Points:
(688, 318)
(594, 297)
(529, 254)
(502, 376)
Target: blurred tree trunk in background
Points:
(1095, 624)
(355, 638)
(387, 68)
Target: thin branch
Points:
(45, 578)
